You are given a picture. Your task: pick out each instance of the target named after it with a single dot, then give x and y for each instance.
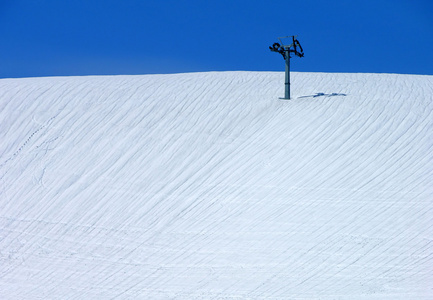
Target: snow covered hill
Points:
(208, 186)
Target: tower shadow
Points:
(324, 95)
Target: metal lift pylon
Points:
(287, 45)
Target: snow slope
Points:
(207, 186)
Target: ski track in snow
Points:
(208, 186)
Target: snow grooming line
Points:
(285, 48)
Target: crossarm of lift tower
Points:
(288, 44)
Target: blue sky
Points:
(108, 37)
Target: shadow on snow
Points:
(323, 95)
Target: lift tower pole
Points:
(289, 44)
(287, 82)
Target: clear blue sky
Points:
(97, 37)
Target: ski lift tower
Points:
(287, 45)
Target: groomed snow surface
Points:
(208, 186)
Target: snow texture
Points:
(208, 186)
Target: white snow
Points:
(208, 186)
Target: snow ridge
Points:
(208, 186)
